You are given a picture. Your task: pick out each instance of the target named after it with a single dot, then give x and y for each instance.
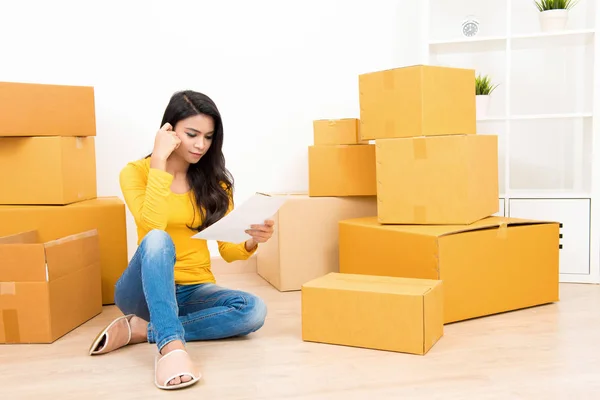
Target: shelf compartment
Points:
(553, 80)
(446, 17)
(525, 16)
(550, 155)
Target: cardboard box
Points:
(418, 100)
(336, 131)
(30, 109)
(492, 266)
(304, 244)
(47, 170)
(342, 170)
(384, 313)
(47, 289)
(105, 214)
(437, 179)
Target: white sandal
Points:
(170, 366)
(116, 335)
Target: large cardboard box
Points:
(384, 313)
(105, 214)
(304, 244)
(491, 266)
(336, 132)
(47, 170)
(342, 170)
(47, 289)
(417, 100)
(437, 179)
(31, 109)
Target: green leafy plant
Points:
(545, 5)
(483, 85)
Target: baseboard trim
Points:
(221, 267)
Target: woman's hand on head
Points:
(165, 142)
(261, 233)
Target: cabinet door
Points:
(500, 212)
(574, 216)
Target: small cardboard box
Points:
(419, 100)
(336, 132)
(47, 170)
(376, 312)
(342, 170)
(491, 266)
(304, 244)
(104, 214)
(437, 179)
(31, 109)
(47, 289)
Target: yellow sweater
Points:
(147, 193)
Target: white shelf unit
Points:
(545, 112)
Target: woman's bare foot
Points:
(175, 345)
(139, 330)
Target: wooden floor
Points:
(543, 353)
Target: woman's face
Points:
(196, 135)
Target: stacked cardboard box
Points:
(342, 185)
(436, 189)
(49, 207)
(339, 163)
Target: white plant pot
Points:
(482, 105)
(553, 20)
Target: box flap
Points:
(444, 230)
(373, 284)
(491, 223)
(29, 237)
(71, 253)
(22, 259)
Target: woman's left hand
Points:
(260, 233)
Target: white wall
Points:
(271, 66)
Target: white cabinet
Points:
(574, 216)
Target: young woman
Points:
(168, 294)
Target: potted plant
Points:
(483, 90)
(554, 14)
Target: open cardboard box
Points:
(105, 214)
(47, 289)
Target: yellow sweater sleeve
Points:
(146, 197)
(234, 251)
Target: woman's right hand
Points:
(165, 142)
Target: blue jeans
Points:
(205, 311)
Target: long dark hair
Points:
(210, 181)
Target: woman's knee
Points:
(158, 242)
(256, 313)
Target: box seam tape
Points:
(10, 317)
